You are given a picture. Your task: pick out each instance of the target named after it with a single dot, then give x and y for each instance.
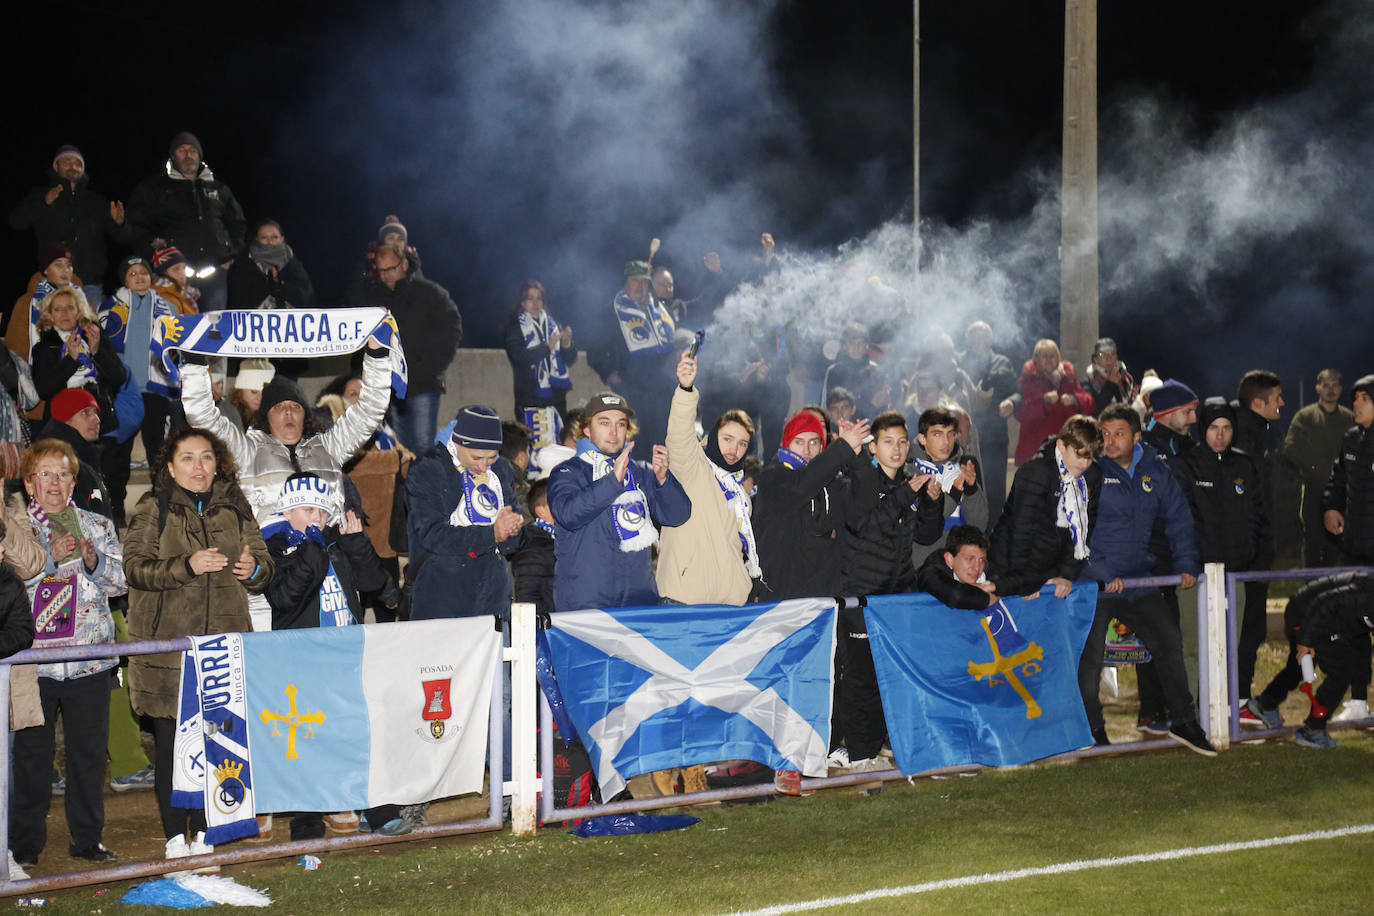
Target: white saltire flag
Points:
(657, 687)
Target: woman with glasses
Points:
(194, 553)
(70, 597)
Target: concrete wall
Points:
(474, 377)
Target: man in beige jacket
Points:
(712, 558)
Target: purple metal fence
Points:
(493, 821)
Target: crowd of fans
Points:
(268, 510)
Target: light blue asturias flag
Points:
(651, 688)
(963, 687)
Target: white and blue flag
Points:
(267, 333)
(651, 688)
(343, 718)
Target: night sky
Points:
(796, 120)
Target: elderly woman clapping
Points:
(84, 568)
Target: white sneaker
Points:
(1352, 710)
(177, 849)
(839, 758)
(16, 873)
(198, 847)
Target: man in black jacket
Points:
(431, 329)
(1348, 512)
(1232, 519)
(799, 506)
(954, 576)
(1042, 537)
(194, 211)
(1329, 618)
(67, 211)
(889, 510)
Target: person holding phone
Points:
(193, 553)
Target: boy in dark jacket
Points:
(463, 521)
(1330, 619)
(799, 504)
(1042, 537)
(1232, 518)
(532, 564)
(954, 576)
(889, 510)
(319, 571)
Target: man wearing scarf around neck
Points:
(1042, 536)
(712, 559)
(605, 507)
(801, 501)
(463, 520)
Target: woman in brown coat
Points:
(192, 554)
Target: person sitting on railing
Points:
(1042, 536)
(194, 554)
(70, 599)
(1137, 489)
(1231, 513)
(1329, 619)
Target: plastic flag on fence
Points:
(658, 687)
(957, 689)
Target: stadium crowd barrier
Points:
(523, 616)
(530, 788)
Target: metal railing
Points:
(1212, 687)
(240, 853)
(1233, 601)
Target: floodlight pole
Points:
(1078, 292)
(916, 138)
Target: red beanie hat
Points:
(69, 402)
(803, 421)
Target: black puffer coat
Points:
(1350, 491)
(532, 568)
(1332, 608)
(294, 591)
(1028, 546)
(883, 519)
(79, 218)
(935, 578)
(795, 516)
(198, 215)
(431, 327)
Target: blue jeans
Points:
(416, 420)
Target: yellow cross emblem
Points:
(1028, 657)
(293, 719)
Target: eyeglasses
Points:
(63, 476)
(394, 268)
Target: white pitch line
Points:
(1060, 869)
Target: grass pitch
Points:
(837, 843)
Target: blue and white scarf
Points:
(546, 424)
(791, 459)
(948, 473)
(630, 512)
(551, 373)
(116, 315)
(1072, 512)
(334, 610)
(482, 497)
(212, 763)
(267, 333)
(738, 501)
(647, 329)
(545, 526)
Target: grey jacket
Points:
(265, 464)
(972, 504)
